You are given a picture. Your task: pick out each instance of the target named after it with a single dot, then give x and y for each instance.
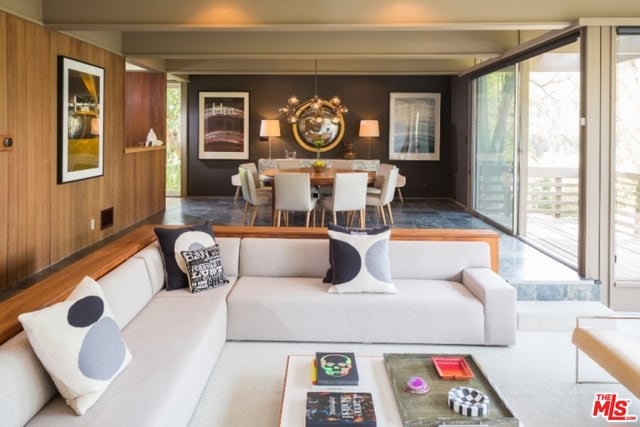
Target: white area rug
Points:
(536, 378)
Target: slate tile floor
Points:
(535, 275)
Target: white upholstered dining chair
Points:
(385, 196)
(256, 176)
(349, 195)
(253, 198)
(293, 194)
(382, 171)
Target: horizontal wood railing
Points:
(58, 285)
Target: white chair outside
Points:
(252, 197)
(385, 196)
(293, 194)
(349, 195)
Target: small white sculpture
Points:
(152, 139)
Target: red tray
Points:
(452, 368)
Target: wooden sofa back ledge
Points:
(59, 284)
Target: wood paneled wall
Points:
(145, 107)
(42, 222)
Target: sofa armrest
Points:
(499, 301)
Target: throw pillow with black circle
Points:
(173, 241)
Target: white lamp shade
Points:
(269, 128)
(369, 128)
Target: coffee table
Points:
(373, 379)
(384, 377)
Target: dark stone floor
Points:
(535, 275)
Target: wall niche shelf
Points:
(145, 109)
(130, 150)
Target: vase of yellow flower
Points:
(318, 164)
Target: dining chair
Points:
(252, 197)
(256, 176)
(349, 195)
(382, 171)
(293, 194)
(289, 164)
(235, 181)
(385, 196)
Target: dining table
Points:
(317, 179)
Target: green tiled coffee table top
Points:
(431, 409)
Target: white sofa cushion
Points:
(230, 252)
(436, 259)
(175, 341)
(25, 386)
(79, 344)
(433, 311)
(274, 257)
(152, 256)
(128, 289)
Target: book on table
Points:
(339, 409)
(334, 369)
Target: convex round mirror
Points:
(318, 122)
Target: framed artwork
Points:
(80, 120)
(223, 125)
(414, 126)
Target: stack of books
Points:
(336, 406)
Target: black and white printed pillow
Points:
(360, 261)
(204, 268)
(173, 241)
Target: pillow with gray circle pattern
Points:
(79, 344)
(360, 261)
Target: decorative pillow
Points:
(204, 268)
(328, 278)
(360, 261)
(175, 240)
(79, 344)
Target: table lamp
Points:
(269, 128)
(369, 129)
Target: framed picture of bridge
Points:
(223, 125)
(414, 126)
(80, 120)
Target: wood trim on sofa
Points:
(58, 285)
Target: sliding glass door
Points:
(549, 217)
(627, 161)
(495, 147)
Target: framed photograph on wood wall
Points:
(414, 126)
(223, 125)
(80, 120)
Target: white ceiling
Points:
(344, 36)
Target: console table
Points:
(359, 164)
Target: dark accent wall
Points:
(461, 137)
(367, 97)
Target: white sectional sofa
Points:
(447, 293)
